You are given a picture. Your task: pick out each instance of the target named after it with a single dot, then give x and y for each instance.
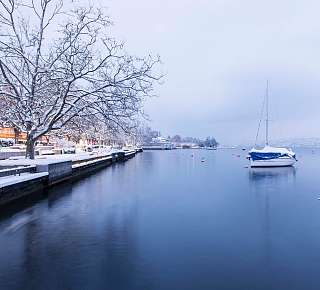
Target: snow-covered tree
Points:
(59, 64)
(91, 129)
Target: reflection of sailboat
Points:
(270, 156)
(267, 186)
(267, 177)
(256, 174)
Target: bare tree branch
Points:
(48, 80)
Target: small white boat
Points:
(270, 156)
(210, 148)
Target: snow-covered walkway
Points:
(45, 159)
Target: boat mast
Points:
(267, 114)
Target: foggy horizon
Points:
(217, 57)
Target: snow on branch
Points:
(59, 65)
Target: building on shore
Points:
(159, 143)
(10, 136)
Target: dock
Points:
(22, 177)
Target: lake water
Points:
(165, 220)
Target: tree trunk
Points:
(16, 135)
(30, 147)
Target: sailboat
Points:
(270, 156)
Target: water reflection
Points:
(86, 233)
(265, 184)
(166, 220)
(26, 204)
(19, 220)
(59, 193)
(271, 175)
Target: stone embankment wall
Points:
(26, 178)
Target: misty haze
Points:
(159, 145)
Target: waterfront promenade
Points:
(20, 177)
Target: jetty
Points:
(20, 177)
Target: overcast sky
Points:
(217, 56)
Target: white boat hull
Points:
(277, 162)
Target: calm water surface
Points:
(166, 220)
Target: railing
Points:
(17, 170)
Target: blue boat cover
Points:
(266, 155)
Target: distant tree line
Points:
(209, 142)
(147, 134)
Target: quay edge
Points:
(46, 174)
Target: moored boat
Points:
(270, 156)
